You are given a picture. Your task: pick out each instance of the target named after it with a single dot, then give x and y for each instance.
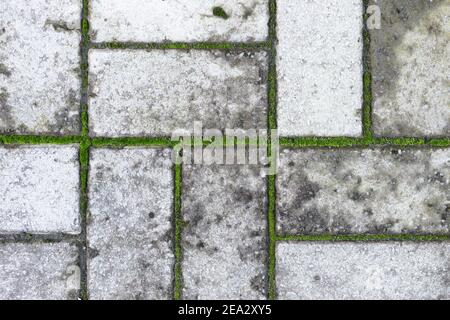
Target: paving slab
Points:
(370, 191)
(130, 234)
(319, 66)
(373, 271)
(410, 61)
(137, 93)
(181, 20)
(39, 271)
(224, 239)
(40, 66)
(39, 189)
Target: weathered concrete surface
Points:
(39, 189)
(319, 67)
(129, 231)
(411, 63)
(181, 20)
(364, 191)
(224, 240)
(363, 271)
(39, 271)
(166, 90)
(39, 66)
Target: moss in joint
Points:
(178, 278)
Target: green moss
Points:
(219, 12)
(272, 124)
(133, 141)
(442, 142)
(34, 140)
(238, 46)
(85, 145)
(271, 193)
(362, 237)
(367, 84)
(178, 278)
(307, 142)
(341, 142)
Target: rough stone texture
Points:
(411, 62)
(224, 240)
(166, 90)
(39, 271)
(39, 189)
(364, 191)
(319, 67)
(181, 20)
(39, 66)
(129, 230)
(363, 271)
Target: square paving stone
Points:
(137, 93)
(364, 191)
(39, 189)
(224, 239)
(181, 20)
(40, 66)
(372, 271)
(39, 271)
(319, 66)
(410, 58)
(130, 224)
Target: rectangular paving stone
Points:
(319, 66)
(410, 59)
(137, 93)
(364, 191)
(130, 224)
(372, 271)
(39, 271)
(39, 189)
(40, 66)
(224, 238)
(181, 20)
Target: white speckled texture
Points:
(130, 232)
(40, 66)
(39, 189)
(319, 65)
(364, 191)
(39, 271)
(411, 63)
(224, 241)
(179, 20)
(341, 271)
(137, 93)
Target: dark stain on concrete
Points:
(7, 122)
(66, 120)
(59, 26)
(398, 17)
(4, 70)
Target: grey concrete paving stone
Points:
(224, 240)
(40, 66)
(181, 20)
(319, 66)
(39, 271)
(130, 224)
(364, 191)
(410, 63)
(39, 189)
(341, 271)
(137, 93)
